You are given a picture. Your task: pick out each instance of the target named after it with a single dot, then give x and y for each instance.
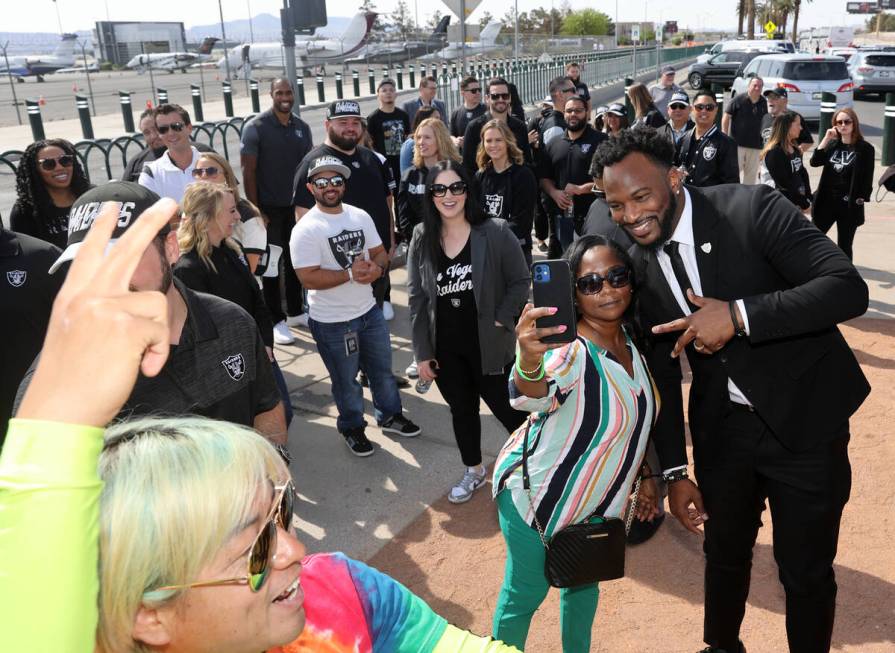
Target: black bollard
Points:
(124, 97)
(888, 131)
(339, 92)
(196, 92)
(827, 109)
(256, 101)
(629, 108)
(228, 99)
(400, 77)
(37, 123)
(84, 115)
(355, 82)
(371, 77)
(412, 73)
(162, 95)
(300, 85)
(320, 95)
(719, 100)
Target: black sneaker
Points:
(358, 443)
(400, 425)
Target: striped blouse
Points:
(587, 437)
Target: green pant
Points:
(525, 587)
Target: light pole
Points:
(516, 31)
(58, 18)
(83, 45)
(616, 24)
(12, 86)
(251, 31)
(224, 39)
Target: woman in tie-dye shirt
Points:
(593, 403)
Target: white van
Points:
(742, 45)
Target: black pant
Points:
(461, 383)
(740, 467)
(846, 226)
(542, 220)
(282, 219)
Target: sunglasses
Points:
(843, 122)
(176, 126)
(325, 182)
(66, 161)
(440, 190)
(592, 284)
(262, 550)
(210, 171)
(473, 90)
(500, 96)
(705, 107)
(677, 106)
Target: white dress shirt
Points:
(163, 177)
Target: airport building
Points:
(120, 41)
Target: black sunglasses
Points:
(210, 171)
(591, 284)
(500, 96)
(325, 182)
(705, 107)
(842, 122)
(176, 126)
(66, 161)
(440, 190)
(473, 90)
(678, 106)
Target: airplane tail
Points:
(439, 34)
(207, 45)
(488, 35)
(66, 49)
(358, 31)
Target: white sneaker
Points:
(297, 320)
(412, 371)
(388, 312)
(282, 335)
(471, 481)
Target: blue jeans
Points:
(284, 392)
(373, 354)
(563, 230)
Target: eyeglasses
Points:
(592, 284)
(473, 90)
(66, 161)
(210, 171)
(500, 96)
(176, 126)
(675, 107)
(262, 550)
(705, 107)
(845, 121)
(440, 190)
(325, 182)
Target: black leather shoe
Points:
(713, 649)
(641, 531)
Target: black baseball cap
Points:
(133, 198)
(343, 109)
(616, 109)
(779, 91)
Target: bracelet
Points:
(737, 329)
(525, 376)
(540, 362)
(676, 475)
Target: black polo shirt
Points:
(279, 149)
(745, 120)
(566, 161)
(219, 369)
(27, 292)
(368, 187)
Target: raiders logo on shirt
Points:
(235, 366)
(709, 152)
(347, 246)
(16, 278)
(493, 205)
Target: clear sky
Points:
(40, 15)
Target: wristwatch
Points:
(675, 475)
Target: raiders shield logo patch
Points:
(708, 153)
(16, 278)
(235, 366)
(455, 302)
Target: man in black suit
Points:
(737, 278)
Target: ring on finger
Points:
(698, 346)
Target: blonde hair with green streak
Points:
(175, 491)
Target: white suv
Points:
(804, 76)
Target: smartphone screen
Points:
(551, 283)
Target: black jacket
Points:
(713, 159)
(510, 195)
(599, 222)
(411, 201)
(668, 133)
(651, 118)
(790, 176)
(795, 367)
(861, 181)
(473, 137)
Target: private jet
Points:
(395, 52)
(172, 61)
(487, 43)
(38, 65)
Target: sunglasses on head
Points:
(500, 96)
(592, 284)
(210, 171)
(66, 161)
(440, 190)
(176, 126)
(262, 549)
(325, 182)
(844, 121)
(705, 107)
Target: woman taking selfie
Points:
(49, 178)
(507, 188)
(782, 159)
(467, 281)
(593, 404)
(846, 181)
(178, 533)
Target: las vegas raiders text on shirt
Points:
(456, 312)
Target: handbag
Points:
(582, 553)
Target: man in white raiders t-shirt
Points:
(337, 254)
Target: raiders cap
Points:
(328, 164)
(134, 199)
(343, 109)
(616, 109)
(679, 97)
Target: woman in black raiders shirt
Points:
(468, 282)
(507, 188)
(847, 178)
(783, 160)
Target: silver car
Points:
(804, 76)
(872, 72)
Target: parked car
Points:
(742, 45)
(872, 71)
(845, 53)
(720, 69)
(804, 76)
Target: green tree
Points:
(433, 20)
(402, 20)
(586, 22)
(526, 25)
(485, 19)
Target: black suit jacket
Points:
(795, 366)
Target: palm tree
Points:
(741, 15)
(750, 20)
(795, 20)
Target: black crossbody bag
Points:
(583, 553)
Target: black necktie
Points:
(680, 272)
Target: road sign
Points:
(635, 32)
(470, 6)
(862, 7)
(770, 28)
